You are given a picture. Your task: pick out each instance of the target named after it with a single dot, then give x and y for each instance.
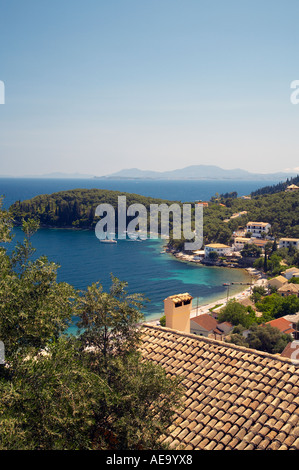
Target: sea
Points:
(144, 265)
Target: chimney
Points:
(177, 310)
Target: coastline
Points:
(200, 309)
(243, 294)
(241, 291)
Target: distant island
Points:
(192, 172)
(76, 209)
(197, 172)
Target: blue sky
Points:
(95, 86)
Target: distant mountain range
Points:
(198, 172)
(193, 172)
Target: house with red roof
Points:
(206, 325)
(285, 326)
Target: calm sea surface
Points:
(83, 259)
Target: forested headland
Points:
(73, 208)
(276, 188)
(76, 209)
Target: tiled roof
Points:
(282, 324)
(262, 224)
(258, 242)
(281, 279)
(217, 245)
(292, 270)
(235, 398)
(289, 288)
(206, 321)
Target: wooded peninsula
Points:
(76, 209)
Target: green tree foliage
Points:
(250, 250)
(76, 208)
(276, 188)
(275, 306)
(263, 338)
(6, 224)
(108, 320)
(270, 263)
(236, 314)
(34, 307)
(257, 293)
(213, 255)
(139, 407)
(58, 392)
(281, 210)
(47, 400)
(268, 339)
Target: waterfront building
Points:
(257, 228)
(219, 248)
(288, 242)
(277, 281)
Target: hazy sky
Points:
(94, 86)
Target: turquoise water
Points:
(83, 259)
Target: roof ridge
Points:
(236, 347)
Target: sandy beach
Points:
(258, 280)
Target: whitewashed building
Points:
(288, 242)
(219, 248)
(257, 228)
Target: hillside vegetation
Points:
(73, 208)
(276, 188)
(281, 210)
(76, 208)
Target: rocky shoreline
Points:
(233, 262)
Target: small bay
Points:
(84, 260)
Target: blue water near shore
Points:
(83, 259)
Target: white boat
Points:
(108, 241)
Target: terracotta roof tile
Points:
(241, 445)
(235, 398)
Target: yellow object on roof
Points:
(217, 245)
(178, 298)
